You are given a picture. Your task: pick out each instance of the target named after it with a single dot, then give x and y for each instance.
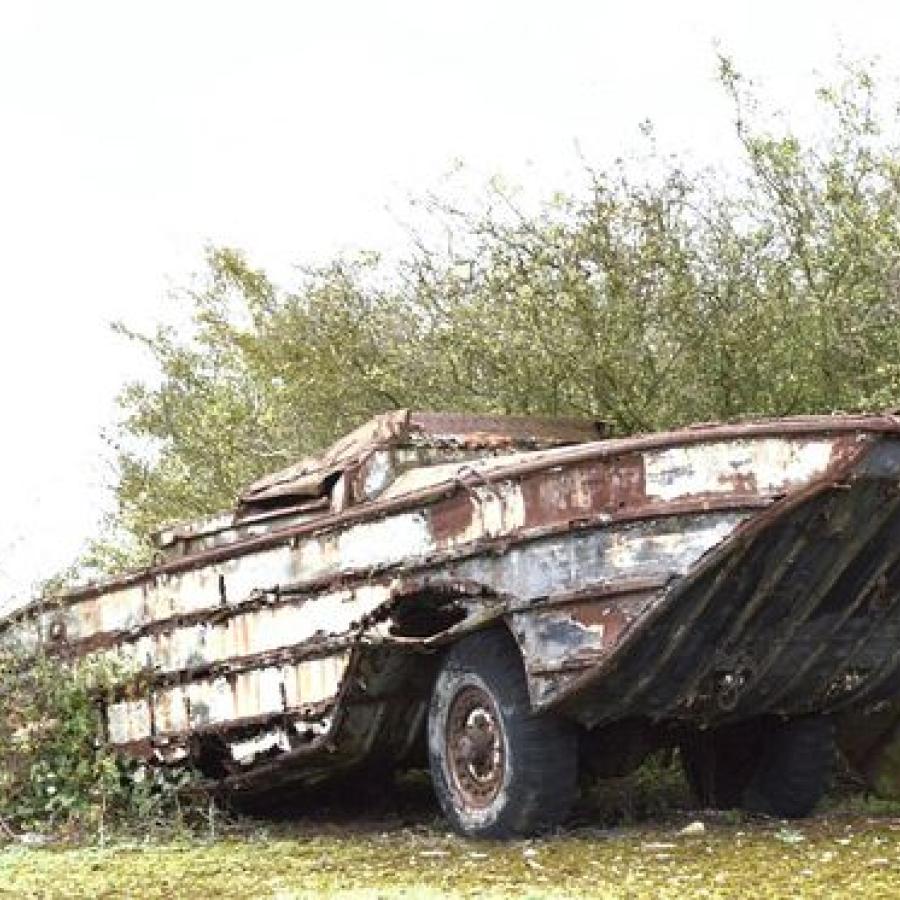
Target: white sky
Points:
(132, 134)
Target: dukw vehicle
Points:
(517, 598)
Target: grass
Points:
(625, 841)
(834, 856)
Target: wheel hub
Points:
(475, 747)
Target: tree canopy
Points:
(656, 297)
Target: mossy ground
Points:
(850, 849)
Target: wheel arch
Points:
(426, 618)
(437, 612)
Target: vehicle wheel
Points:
(720, 764)
(794, 768)
(497, 769)
(767, 766)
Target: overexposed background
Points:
(133, 134)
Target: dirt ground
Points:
(623, 842)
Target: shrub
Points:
(57, 773)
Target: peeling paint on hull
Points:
(673, 576)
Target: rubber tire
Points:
(540, 778)
(794, 769)
(719, 765)
(775, 768)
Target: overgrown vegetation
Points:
(56, 773)
(658, 296)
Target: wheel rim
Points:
(475, 747)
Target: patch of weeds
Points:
(862, 803)
(58, 776)
(656, 790)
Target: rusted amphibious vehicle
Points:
(517, 598)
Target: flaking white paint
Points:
(772, 464)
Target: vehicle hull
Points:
(702, 576)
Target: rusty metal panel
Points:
(762, 466)
(170, 708)
(597, 492)
(128, 721)
(308, 478)
(256, 566)
(257, 693)
(254, 633)
(561, 563)
(800, 615)
(231, 528)
(585, 489)
(576, 635)
(581, 548)
(393, 472)
(488, 431)
(314, 681)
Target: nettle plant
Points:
(57, 774)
